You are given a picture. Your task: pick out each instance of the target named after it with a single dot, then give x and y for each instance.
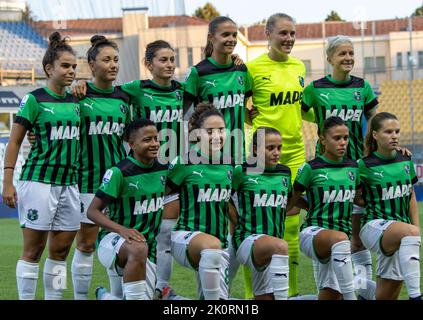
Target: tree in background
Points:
(333, 16)
(418, 12)
(207, 12)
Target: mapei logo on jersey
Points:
(407, 169)
(148, 206)
(395, 192)
(338, 196)
(32, 215)
(240, 80)
(160, 116)
(270, 200)
(230, 101)
(357, 95)
(346, 115)
(106, 128)
(163, 179)
(285, 182)
(283, 98)
(123, 109)
(107, 176)
(301, 81)
(351, 175)
(64, 132)
(210, 195)
(23, 102)
(229, 174)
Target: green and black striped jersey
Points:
(330, 187)
(262, 200)
(104, 114)
(204, 193)
(387, 185)
(54, 119)
(134, 195)
(163, 106)
(227, 87)
(348, 100)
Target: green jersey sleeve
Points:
(370, 100)
(192, 83)
(413, 174)
(111, 185)
(176, 173)
(28, 111)
(237, 177)
(307, 100)
(303, 179)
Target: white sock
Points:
(136, 290)
(342, 266)
(233, 262)
(54, 279)
(115, 281)
(279, 276)
(362, 263)
(26, 278)
(82, 270)
(365, 288)
(304, 297)
(164, 258)
(209, 273)
(409, 257)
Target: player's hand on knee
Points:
(253, 112)
(237, 59)
(10, 197)
(80, 89)
(131, 235)
(31, 138)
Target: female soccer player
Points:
(104, 114)
(278, 83)
(351, 98)
(330, 181)
(391, 221)
(48, 194)
(203, 179)
(133, 191)
(263, 194)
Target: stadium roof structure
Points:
(255, 33)
(115, 25)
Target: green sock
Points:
(292, 237)
(248, 283)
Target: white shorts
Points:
(107, 252)
(387, 267)
(357, 209)
(170, 198)
(323, 273)
(86, 199)
(48, 207)
(179, 250)
(260, 277)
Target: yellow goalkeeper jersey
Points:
(277, 93)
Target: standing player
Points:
(104, 114)
(352, 99)
(391, 223)
(133, 191)
(203, 179)
(263, 194)
(278, 83)
(48, 195)
(330, 181)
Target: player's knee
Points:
(280, 247)
(33, 254)
(59, 253)
(138, 251)
(86, 246)
(412, 231)
(338, 237)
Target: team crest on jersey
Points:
(163, 179)
(240, 80)
(32, 214)
(115, 240)
(123, 109)
(407, 169)
(178, 95)
(301, 80)
(357, 95)
(78, 111)
(351, 175)
(229, 174)
(285, 182)
(24, 100)
(107, 176)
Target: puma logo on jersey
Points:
(48, 110)
(395, 192)
(338, 196)
(253, 180)
(212, 83)
(378, 173)
(266, 78)
(344, 260)
(134, 185)
(106, 128)
(166, 116)
(325, 176)
(198, 173)
(325, 95)
(64, 132)
(150, 96)
(346, 115)
(230, 101)
(210, 195)
(148, 206)
(270, 200)
(89, 105)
